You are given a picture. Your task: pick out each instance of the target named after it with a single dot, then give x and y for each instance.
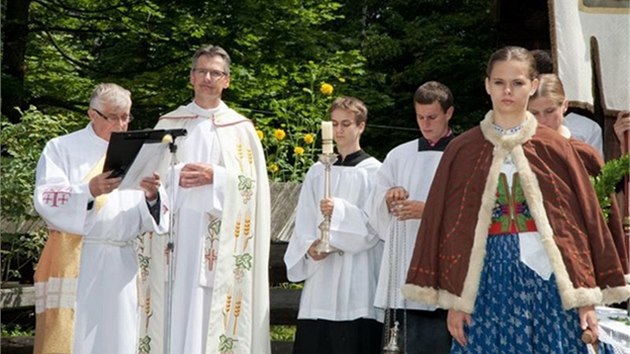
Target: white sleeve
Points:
(349, 228)
(60, 202)
(595, 140)
(379, 216)
(148, 223)
(305, 232)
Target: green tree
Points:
(56, 51)
(144, 45)
(281, 53)
(409, 42)
(22, 143)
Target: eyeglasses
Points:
(123, 119)
(214, 74)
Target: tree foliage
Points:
(22, 144)
(55, 51)
(407, 43)
(384, 50)
(611, 174)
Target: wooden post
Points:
(626, 204)
(626, 199)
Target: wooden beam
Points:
(18, 297)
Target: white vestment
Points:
(585, 129)
(413, 170)
(106, 298)
(339, 287)
(221, 237)
(590, 37)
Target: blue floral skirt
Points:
(517, 311)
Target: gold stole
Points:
(56, 279)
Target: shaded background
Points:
(55, 51)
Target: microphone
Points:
(175, 133)
(172, 134)
(152, 136)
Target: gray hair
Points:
(111, 94)
(212, 51)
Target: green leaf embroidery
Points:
(244, 261)
(144, 346)
(226, 343)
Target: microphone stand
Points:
(170, 246)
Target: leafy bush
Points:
(282, 333)
(290, 124)
(22, 144)
(20, 253)
(15, 331)
(611, 174)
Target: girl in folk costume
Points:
(513, 242)
(548, 105)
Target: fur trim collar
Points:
(564, 131)
(508, 142)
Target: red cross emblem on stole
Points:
(56, 197)
(211, 257)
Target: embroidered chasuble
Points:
(221, 237)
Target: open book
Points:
(136, 154)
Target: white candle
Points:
(327, 148)
(327, 135)
(327, 130)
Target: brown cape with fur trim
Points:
(451, 244)
(594, 163)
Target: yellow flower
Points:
(298, 150)
(326, 89)
(279, 134)
(260, 134)
(309, 138)
(273, 168)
